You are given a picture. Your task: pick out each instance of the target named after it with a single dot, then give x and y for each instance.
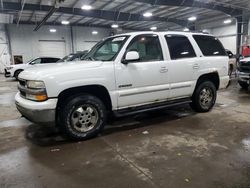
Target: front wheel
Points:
(204, 97)
(243, 85)
(82, 117)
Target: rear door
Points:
(182, 65)
(214, 57)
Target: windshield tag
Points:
(118, 39)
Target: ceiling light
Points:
(153, 28)
(193, 18)
(86, 7)
(114, 26)
(52, 30)
(65, 22)
(147, 14)
(94, 32)
(186, 29)
(228, 21)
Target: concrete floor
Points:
(175, 148)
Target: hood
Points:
(57, 69)
(17, 66)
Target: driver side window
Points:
(148, 47)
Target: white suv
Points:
(124, 75)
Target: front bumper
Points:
(37, 112)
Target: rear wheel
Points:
(243, 85)
(204, 97)
(17, 73)
(82, 117)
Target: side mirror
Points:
(131, 56)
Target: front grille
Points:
(244, 69)
(23, 84)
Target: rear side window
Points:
(210, 46)
(179, 47)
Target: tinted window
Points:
(49, 60)
(179, 47)
(210, 46)
(148, 47)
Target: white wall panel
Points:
(4, 49)
(52, 48)
(84, 39)
(25, 41)
(229, 43)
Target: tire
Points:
(17, 73)
(204, 97)
(82, 117)
(243, 85)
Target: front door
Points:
(140, 82)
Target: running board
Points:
(150, 107)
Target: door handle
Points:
(163, 70)
(196, 66)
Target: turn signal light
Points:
(40, 97)
(36, 97)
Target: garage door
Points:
(52, 48)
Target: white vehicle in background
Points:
(15, 70)
(124, 75)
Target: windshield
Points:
(66, 58)
(106, 50)
(28, 62)
(35, 61)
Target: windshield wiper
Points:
(89, 58)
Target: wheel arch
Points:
(17, 71)
(213, 77)
(99, 91)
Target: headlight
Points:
(34, 90)
(35, 84)
(9, 68)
